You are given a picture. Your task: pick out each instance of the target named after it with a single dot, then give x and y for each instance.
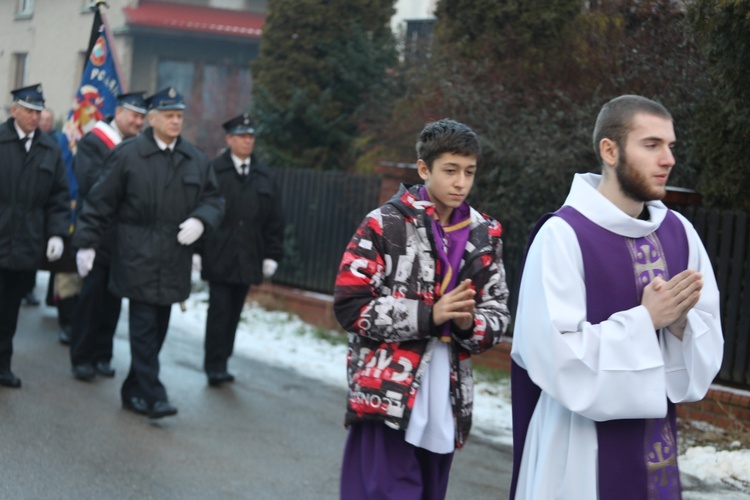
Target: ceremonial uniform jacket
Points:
(148, 195)
(252, 228)
(384, 293)
(88, 164)
(34, 200)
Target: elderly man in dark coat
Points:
(34, 213)
(161, 192)
(246, 247)
(97, 310)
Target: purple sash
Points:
(450, 244)
(637, 457)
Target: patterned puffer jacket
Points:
(384, 293)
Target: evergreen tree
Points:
(529, 76)
(321, 68)
(501, 30)
(722, 143)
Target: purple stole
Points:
(450, 244)
(637, 457)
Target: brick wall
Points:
(724, 407)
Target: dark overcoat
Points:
(148, 195)
(252, 228)
(34, 199)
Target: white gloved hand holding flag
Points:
(54, 248)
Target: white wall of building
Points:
(57, 32)
(53, 36)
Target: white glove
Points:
(54, 248)
(85, 260)
(197, 262)
(190, 231)
(269, 267)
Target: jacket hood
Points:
(408, 202)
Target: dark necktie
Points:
(244, 170)
(164, 174)
(24, 142)
(170, 156)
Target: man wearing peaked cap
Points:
(97, 310)
(134, 101)
(172, 195)
(245, 248)
(31, 97)
(31, 163)
(165, 99)
(239, 125)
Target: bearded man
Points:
(618, 320)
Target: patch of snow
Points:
(283, 339)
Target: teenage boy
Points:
(420, 289)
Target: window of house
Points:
(418, 42)
(227, 4)
(256, 5)
(215, 90)
(80, 66)
(177, 74)
(213, 94)
(24, 9)
(20, 67)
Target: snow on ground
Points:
(283, 339)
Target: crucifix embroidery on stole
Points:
(660, 450)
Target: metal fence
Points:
(725, 236)
(322, 210)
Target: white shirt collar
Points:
(238, 163)
(163, 145)
(113, 124)
(597, 208)
(21, 133)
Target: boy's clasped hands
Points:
(456, 305)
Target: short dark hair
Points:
(446, 136)
(616, 118)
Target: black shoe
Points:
(217, 378)
(136, 405)
(31, 299)
(84, 372)
(64, 335)
(162, 409)
(7, 379)
(104, 369)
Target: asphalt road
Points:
(271, 435)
